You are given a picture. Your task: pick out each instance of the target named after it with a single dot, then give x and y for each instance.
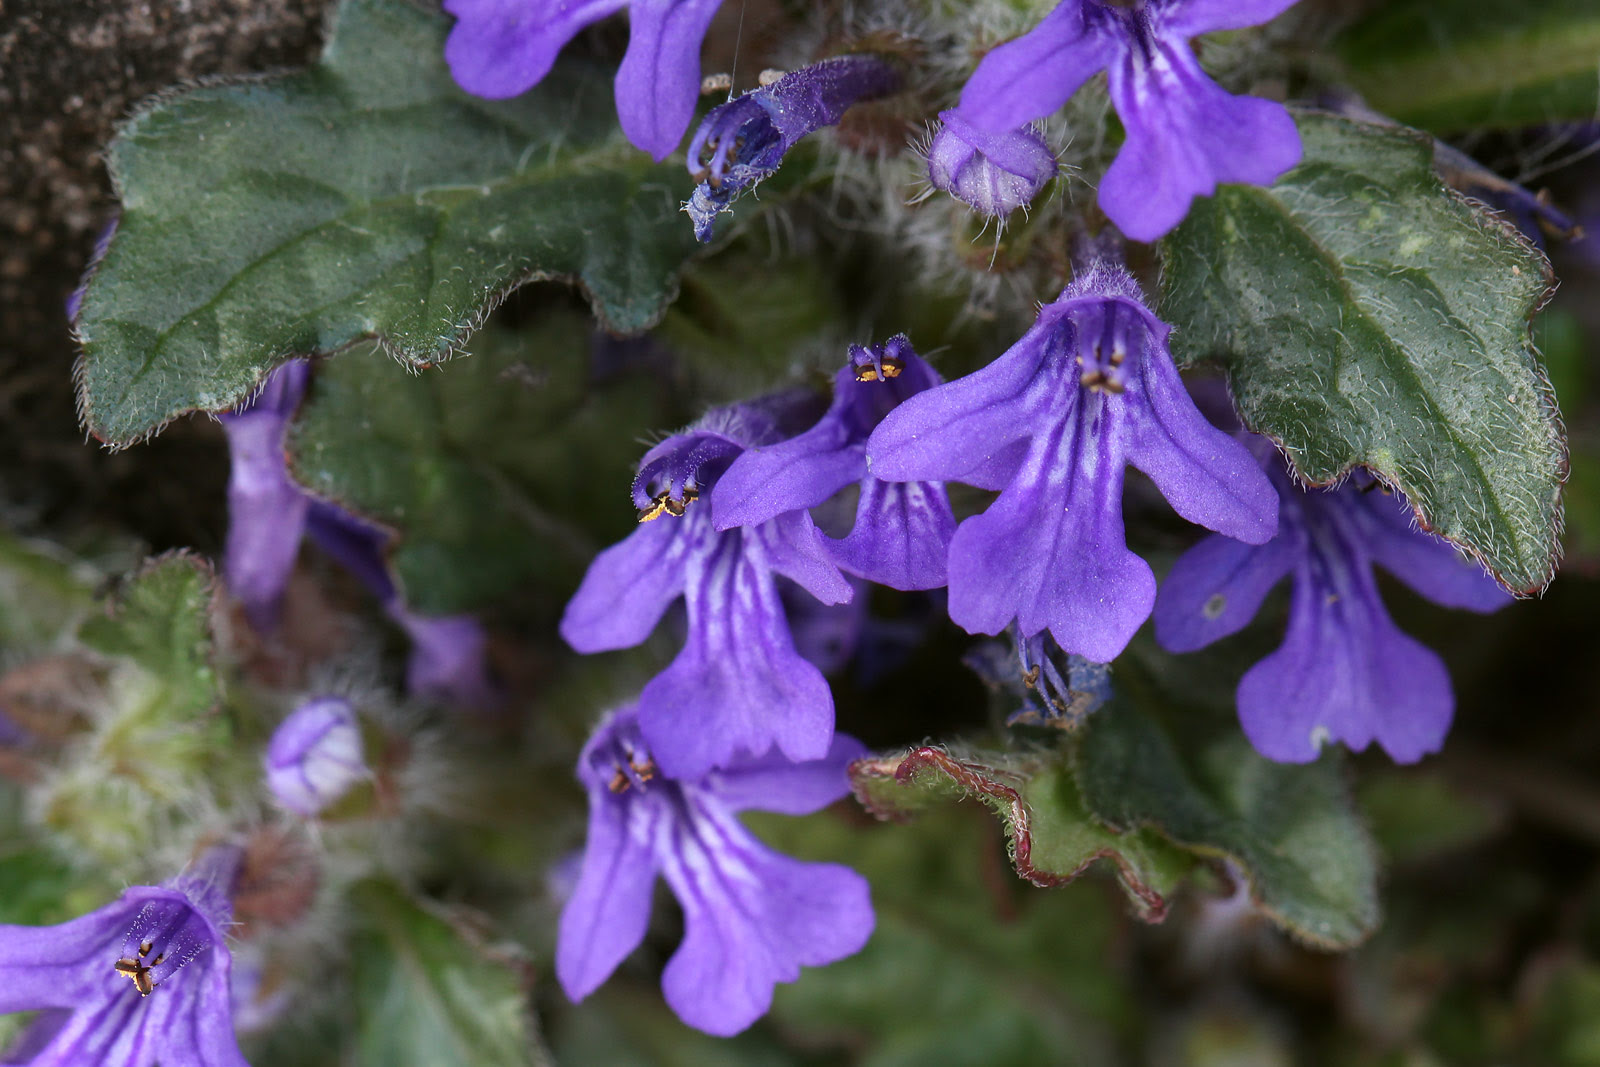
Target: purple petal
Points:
(827, 635)
(449, 659)
(738, 683)
(266, 509)
(1208, 476)
(801, 472)
(1053, 557)
(1032, 76)
(606, 916)
(1430, 565)
(1216, 588)
(1191, 18)
(357, 545)
(1185, 136)
(50, 966)
(901, 537)
(1345, 673)
(752, 918)
(500, 48)
(627, 588)
(774, 783)
(659, 79)
(791, 545)
(962, 430)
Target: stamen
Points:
(645, 770)
(866, 373)
(655, 509)
(619, 782)
(138, 972)
(892, 367)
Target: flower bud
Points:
(994, 174)
(315, 756)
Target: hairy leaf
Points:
(1053, 836)
(1366, 315)
(364, 197)
(425, 995)
(1454, 64)
(1291, 830)
(488, 470)
(967, 964)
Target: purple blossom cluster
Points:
(1051, 425)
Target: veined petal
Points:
(1429, 564)
(1031, 76)
(791, 545)
(628, 587)
(1217, 587)
(48, 965)
(752, 918)
(1208, 476)
(1050, 552)
(901, 537)
(1191, 18)
(738, 683)
(801, 472)
(960, 431)
(659, 79)
(1344, 673)
(500, 48)
(605, 918)
(200, 1035)
(1185, 136)
(775, 783)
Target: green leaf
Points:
(1053, 837)
(1420, 815)
(966, 965)
(425, 995)
(366, 196)
(508, 467)
(1454, 64)
(1290, 828)
(1366, 315)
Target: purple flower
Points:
(1052, 423)
(752, 918)
(314, 756)
(738, 683)
(1184, 133)
(501, 48)
(1344, 671)
(269, 513)
(902, 529)
(747, 138)
(142, 979)
(993, 173)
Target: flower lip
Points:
(674, 473)
(616, 756)
(741, 133)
